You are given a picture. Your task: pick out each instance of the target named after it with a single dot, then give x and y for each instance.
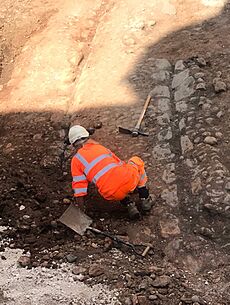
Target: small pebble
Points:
(152, 297)
(201, 86)
(210, 140)
(220, 114)
(219, 135)
(71, 258)
(66, 201)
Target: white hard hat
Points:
(76, 133)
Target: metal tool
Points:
(136, 130)
(78, 221)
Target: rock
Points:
(160, 91)
(169, 226)
(219, 85)
(163, 106)
(142, 272)
(219, 135)
(163, 119)
(179, 66)
(162, 64)
(220, 114)
(26, 217)
(196, 185)
(79, 270)
(151, 23)
(186, 144)
(60, 255)
(153, 297)
(169, 195)
(179, 78)
(24, 261)
(162, 281)
(185, 89)
(160, 77)
(142, 300)
(71, 258)
(144, 284)
(161, 152)
(209, 121)
(54, 224)
(49, 161)
(66, 201)
(153, 276)
(96, 270)
(210, 140)
(97, 125)
(37, 137)
(165, 134)
(169, 173)
(46, 257)
(22, 207)
(182, 124)
(197, 140)
(227, 186)
(195, 298)
(45, 264)
(181, 106)
(79, 277)
(201, 62)
(201, 86)
(128, 301)
(199, 75)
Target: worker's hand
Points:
(80, 202)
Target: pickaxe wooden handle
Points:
(136, 130)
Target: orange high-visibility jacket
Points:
(114, 178)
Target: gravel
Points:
(41, 286)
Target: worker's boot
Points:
(131, 208)
(133, 211)
(146, 204)
(146, 200)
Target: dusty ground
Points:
(96, 62)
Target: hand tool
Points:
(78, 221)
(136, 130)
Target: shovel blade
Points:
(75, 219)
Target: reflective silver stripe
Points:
(95, 161)
(79, 178)
(143, 176)
(82, 159)
(104, 170)
(81, 190)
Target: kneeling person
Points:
(114, 178)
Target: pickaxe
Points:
(136, 130)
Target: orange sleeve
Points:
(79, 182)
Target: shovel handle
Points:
(138, 125)
(116, 239)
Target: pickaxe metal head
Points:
(134, 132)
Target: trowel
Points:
(79, 222)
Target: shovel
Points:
(79, 222)
(136, 130)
